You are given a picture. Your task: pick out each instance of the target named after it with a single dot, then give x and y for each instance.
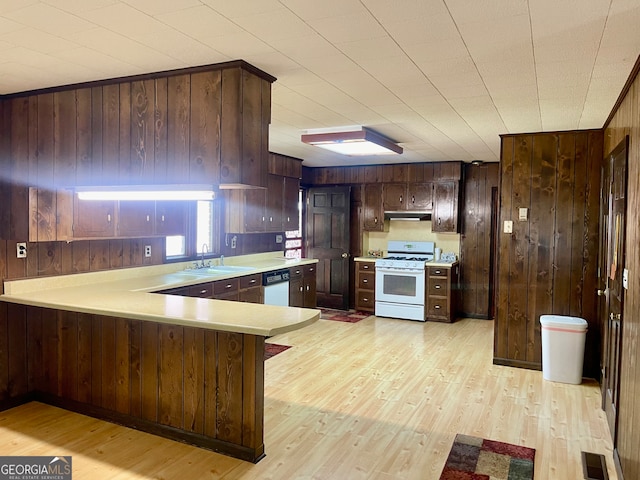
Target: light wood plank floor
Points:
(379, 399)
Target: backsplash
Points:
(412, 231)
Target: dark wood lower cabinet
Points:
(442, 293)
(302, 286)
(198, 386)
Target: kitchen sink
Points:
(217, 270)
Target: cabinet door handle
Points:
(438, 272)
(365, 281)
(375, 220)
(365, 299)
(311, 269)
(252, 281)
(437, 307)
(437, 287)
(413, 199)
(400, 198)
(202, 292)
(307, 288)
(148, 218)
(365, 267)
(162, 218)
(109, 217)
(228, 286)
(300, 287)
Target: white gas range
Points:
(400, 280)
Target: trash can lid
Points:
(564, 322)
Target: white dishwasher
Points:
(276, 287)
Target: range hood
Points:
(407, 215)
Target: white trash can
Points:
(563, 348)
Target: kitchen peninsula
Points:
(102, 344)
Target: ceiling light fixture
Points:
(351, 141)
(146, 192)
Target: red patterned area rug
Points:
(350, 316)
(473, 458)
(273, 349)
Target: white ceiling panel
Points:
(443, 77)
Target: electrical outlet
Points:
(21, 250)
(147, 251)
(508, 226)
(278, 238)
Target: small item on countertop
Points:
(375, 253)
(448, 257)
(437, 254)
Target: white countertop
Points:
(125, 293)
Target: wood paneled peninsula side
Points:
(101, 344)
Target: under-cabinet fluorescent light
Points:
(147, 192)
(352, 141)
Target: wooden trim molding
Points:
(623, 93)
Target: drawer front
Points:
(204, 290)
(367, 280)
(366, 266)
(439, 286)
(295, 272)
(249, 281)
(438, 272)
(309, 269)
(223, 286)
(437, 307)
(365, 301)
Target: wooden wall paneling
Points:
(210, 383)
(68, 353)
(135, 367)
(35, 377)
(97, 348)
(160, 131)
(66, 258)
(132, 252)
(110, 139)
(81, 254)
(122, 366)
(94, 176)
(204, 159)
(372, 174)
(99, 255)
(229, 412)
(564, 193)
(124, 169)
(579, 227)
(84, 133)
(253, 391)
(64, 138)
(194, 383)
(170, 361)
(142, 166)
(149, 370)
(48, 258)
(16, 348)
(50, 351)
(542, 214)
(85, 356)
(109, 374)
(4, 351)
(178, 127)
(116, 253)
(519, 339)
(415, 172)
(20, 159)
(501, 331)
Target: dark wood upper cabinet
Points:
(171, 218)
(445, 211)
(372, 211)
(420, 196)
(394, 196)
(94, 219)
(136, 219)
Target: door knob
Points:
(345, 255)
(600, 292)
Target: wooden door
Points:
(327, 239)
(612, 242)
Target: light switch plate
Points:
(523, 214)
(278, 238)
(508, 226)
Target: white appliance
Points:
(276, 287)
(400, 280)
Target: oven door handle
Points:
(399, 271)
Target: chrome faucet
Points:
(205, 247)
(222, 260)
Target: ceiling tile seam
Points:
(476, 67)
(593, 66)
(535, 66)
